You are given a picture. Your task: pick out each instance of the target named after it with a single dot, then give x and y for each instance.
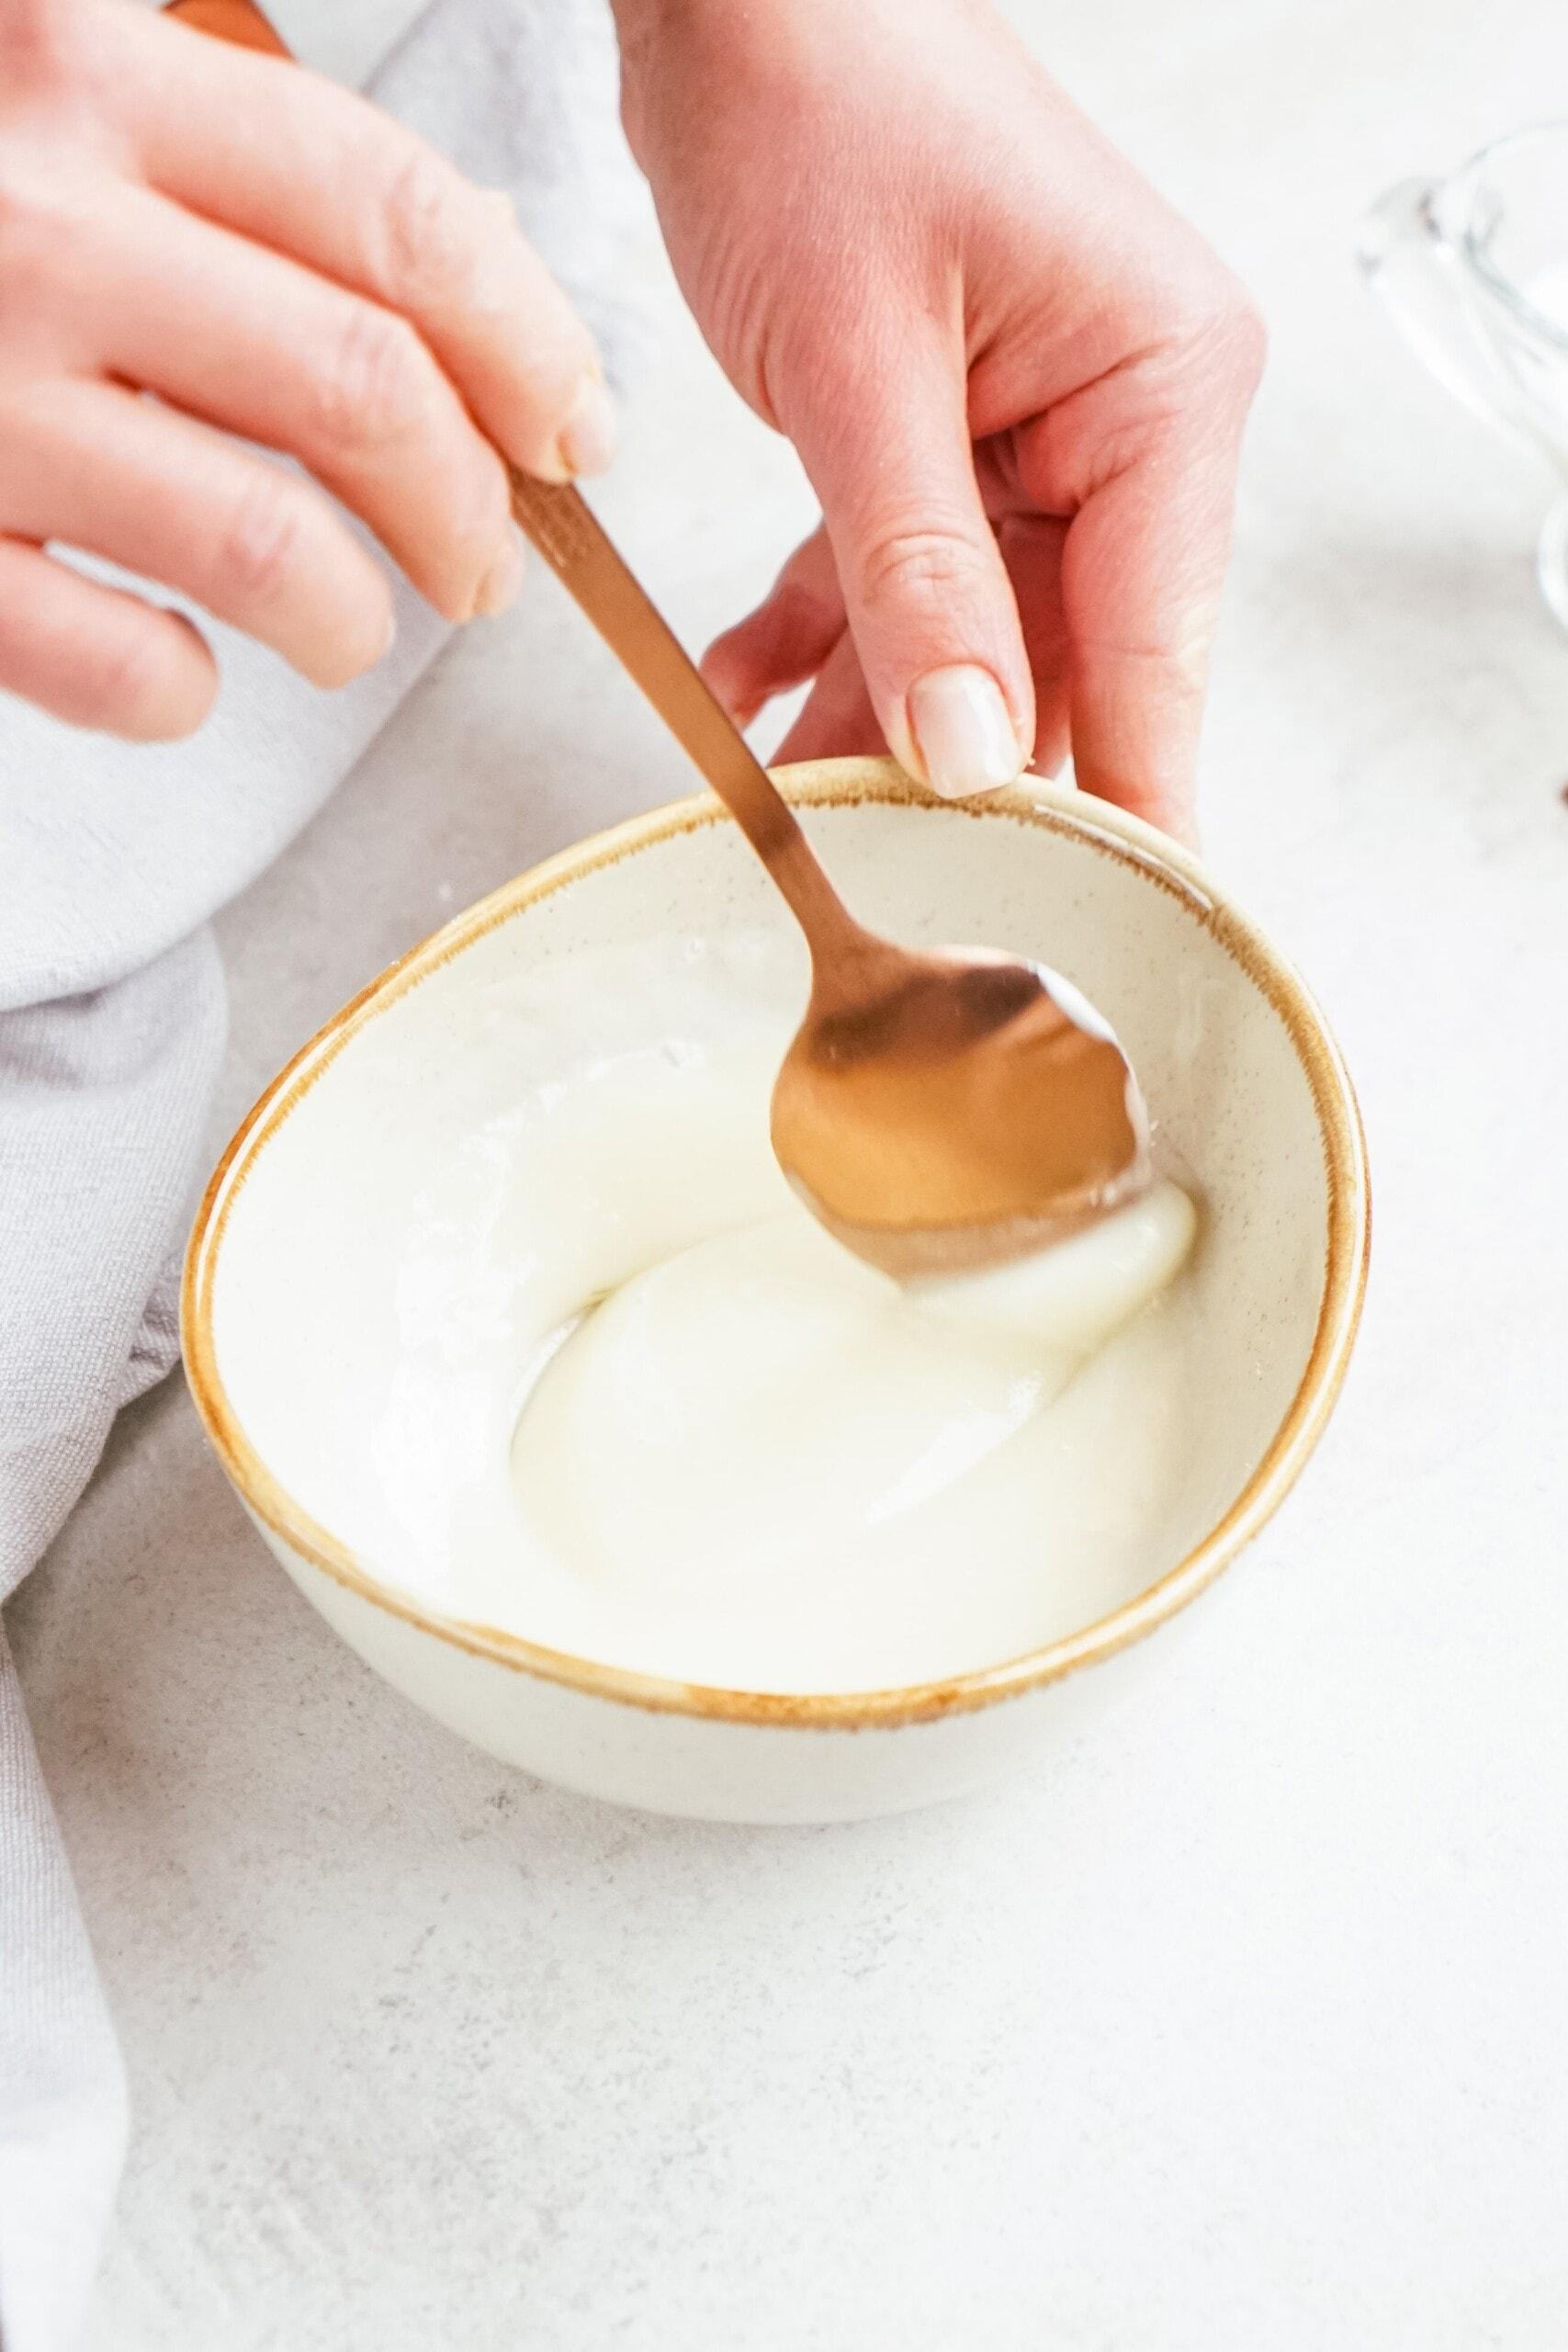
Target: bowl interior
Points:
(294, 1296)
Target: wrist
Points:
(674, 51)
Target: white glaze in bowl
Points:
(1253, 1102)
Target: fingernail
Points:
(590, 434)
(962, 732)
(499, 587)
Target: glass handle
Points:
(1410, 265)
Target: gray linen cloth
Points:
(112, 1024)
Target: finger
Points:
(887, 444)
(837, 721)
(1031, 549)
(1141, 576)
(103, 469)
(314, 171)
(251, 341)
(97, 657)
(786, 640)
(1145, 552)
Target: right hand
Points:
(274, 258)
(1016, 379)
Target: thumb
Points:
(930, 606)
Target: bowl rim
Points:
(814, 785)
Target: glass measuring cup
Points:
(1474, 271)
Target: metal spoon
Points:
(935, 1112)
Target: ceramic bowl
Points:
(1250, 1096)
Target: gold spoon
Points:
(935, 1112)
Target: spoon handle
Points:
(560, 523)
(230, 21)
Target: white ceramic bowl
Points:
(1246, 1083)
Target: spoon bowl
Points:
(948, 1111)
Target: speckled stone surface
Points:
(1244, 2024)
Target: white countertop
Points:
(1240, 2025)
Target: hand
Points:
(1016, 379)
(270, 256)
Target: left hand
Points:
(1016, 379)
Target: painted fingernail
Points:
(499, 587)
(962, 732)
(589, 438)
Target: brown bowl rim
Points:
(814, 785)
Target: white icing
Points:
(640, 1407)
